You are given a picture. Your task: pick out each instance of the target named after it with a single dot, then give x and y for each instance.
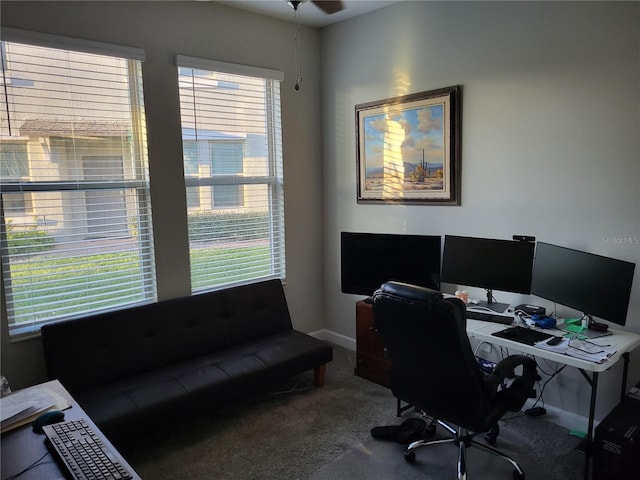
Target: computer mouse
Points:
(47, 418)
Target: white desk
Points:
(623, 342)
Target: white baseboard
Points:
(564, 418)
(335, 338)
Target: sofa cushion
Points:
(202, 382)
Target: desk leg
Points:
(625, 372)
(588, 439)
(592, 410)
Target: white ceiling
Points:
(309, 14)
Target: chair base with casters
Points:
(434, 368)
(463, 439)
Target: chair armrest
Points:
(507, 366)
(516, 392)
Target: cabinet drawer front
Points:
(374, 369)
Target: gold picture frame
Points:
(408, 148)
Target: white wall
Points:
(550, 135)
(207, 30)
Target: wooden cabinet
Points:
(371, 362)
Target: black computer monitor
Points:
(488, 263)
(370, 259)
(592, 284)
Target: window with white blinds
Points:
(74, 189)
(232, 151)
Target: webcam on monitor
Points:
(524, 238)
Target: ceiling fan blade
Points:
(328, 6)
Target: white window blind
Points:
(74, 191)
(232, 151)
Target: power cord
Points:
(291, 387)
(30, 467)
(546, 373)
(483, 343)
(535, 410)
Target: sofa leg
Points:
(318, 375)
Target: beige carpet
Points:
(298, 431)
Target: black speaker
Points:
(531, 309)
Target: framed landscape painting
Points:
(408, 149)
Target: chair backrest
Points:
(432, 363)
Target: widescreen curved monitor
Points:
(370, 259)
(592, 284)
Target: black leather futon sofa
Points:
(130, 368)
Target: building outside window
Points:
(14, 164)
(74, 190)
(232, 152)
(216, 158)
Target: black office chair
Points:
(434, 368)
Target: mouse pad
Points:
(519, 334)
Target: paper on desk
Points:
(583, 350)
(24, 406)
(597, 357)
(559, 348)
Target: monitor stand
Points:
(493, 306)
(490, 304)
